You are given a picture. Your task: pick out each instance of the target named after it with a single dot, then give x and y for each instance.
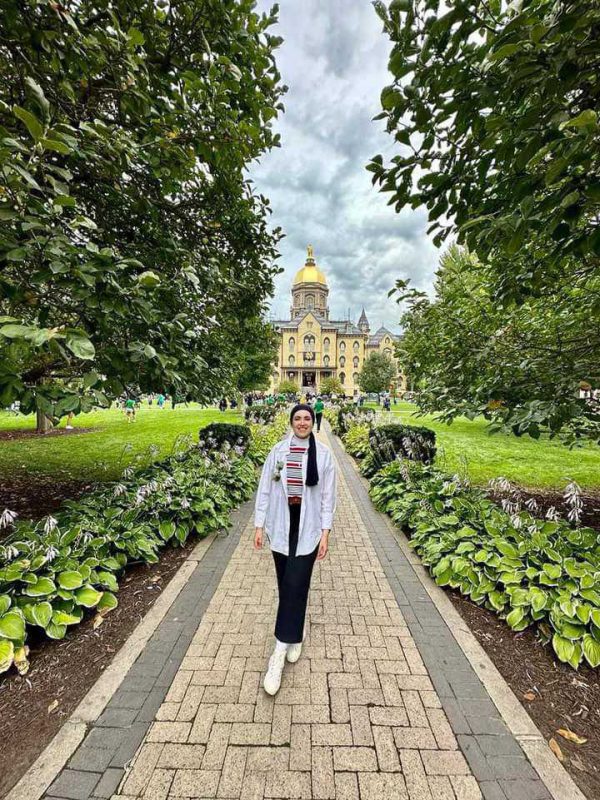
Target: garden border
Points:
(555, 777)
(148, 678)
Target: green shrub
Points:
(54, 570)
(264, 437)
(263, 415)
(219, 432)
(356, 440)
(529, 571)
(407, 441)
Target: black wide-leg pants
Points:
(293, 580)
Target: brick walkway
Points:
(358, 716)
(357, 712)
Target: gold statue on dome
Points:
(309, 252)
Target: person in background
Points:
(160, 400)
(223, 404)
(318, 409)
(130, 409)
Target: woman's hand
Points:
(258, 538)
(323, 545)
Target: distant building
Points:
(313, 347)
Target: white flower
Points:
(128, 472)
(552, 514)
(531, 505)
(7, 518)
(119, 489)
(185, 503)
(51, 554)
(50, 524)
(10, 552)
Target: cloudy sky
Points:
(334, 60)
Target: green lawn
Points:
(543, 463)
(99, 454)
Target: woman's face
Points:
(302, 424)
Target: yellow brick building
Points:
(313, 347)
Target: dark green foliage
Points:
(262, 414)
(235, 435)
(134, 253)
(377, 374)
(527, 570)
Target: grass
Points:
(104, 452)
(542, 463)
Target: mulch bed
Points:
(564, 698)
(34, 496)
(65, 670)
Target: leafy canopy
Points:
(494, 107)
(377, 373)
(520, 367)
(133, 249)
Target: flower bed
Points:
(530, 571)
(52, 572)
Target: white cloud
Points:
(334, 60)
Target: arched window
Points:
(326, 361)
(356, 347)
(342, 378)
(310, 301)
(355, 362)
(292, 343)
(387, 351)
(355, 377)
(309, 342)
(292, 361)
(387, 339)
(326, 344)
(342, 361)
(342, 346)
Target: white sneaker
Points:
(294, 650)
(272, 680)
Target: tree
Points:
(287, 387)
(377, 373)
(132, 248)
(520, 367)
(257, 356)
(495, 109)
(331, 386)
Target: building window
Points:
(387, 351)
(387, 339)
(309, 325)
(326, 344)
(292, 361)
(309, 342)
(292, 343)
(342, 346)
(342, 378)
(310, 301)
(355, 362)
(326, 361)
(355, 377)
(342, 361)
(356, 347)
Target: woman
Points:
(295, 504)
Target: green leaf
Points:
(591, 650)
(12, 626)
(563, 648)
(108, 601)
(7, 653)
(587, 117)
(81, 347)
(538, 598)
(42, 613)
(41, 587)
(56, 631)
(70, 579)
(88, 596)
(149, 279)
(5, 603)
(167, 529)
(54, 144)
(60, 618)
(515, 617)
(33, 124)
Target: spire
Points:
(363, 322)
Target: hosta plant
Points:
(529, 571)
(54, 571)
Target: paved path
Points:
(382, 702)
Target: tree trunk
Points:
(44, 423)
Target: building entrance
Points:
(309, 380)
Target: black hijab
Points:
(312, 471)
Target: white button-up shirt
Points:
(272, 511)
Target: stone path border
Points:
(499, 739)
(88, 756)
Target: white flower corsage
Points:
(277, 473)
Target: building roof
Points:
(310, 273)
(362, 320)
(344, 326)
(377, 337)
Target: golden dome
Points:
(310, 273)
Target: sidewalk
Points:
(381, 704)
